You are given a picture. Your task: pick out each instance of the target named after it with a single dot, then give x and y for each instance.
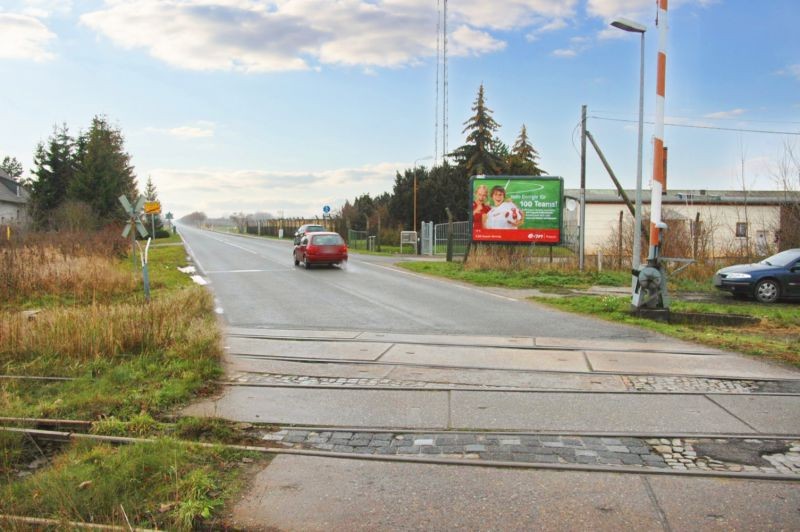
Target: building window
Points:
(741, 229)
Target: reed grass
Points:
(78, 266)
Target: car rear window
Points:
(327, 240)
(314, 228)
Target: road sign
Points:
(326, 209)
(152, 207)
(133, 212)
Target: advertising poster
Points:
(513, 209)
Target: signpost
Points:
(152, 208)
(133, 212)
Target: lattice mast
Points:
(444, 81)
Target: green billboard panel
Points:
(517, 209)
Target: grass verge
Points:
(776, 337)
(165, 484)
(544, 279)
(130, 364)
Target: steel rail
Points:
(320, 360)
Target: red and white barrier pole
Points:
(659, 179)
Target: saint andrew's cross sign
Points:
(133, 212)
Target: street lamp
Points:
(415, 187)
(635, 27)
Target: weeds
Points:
(162, 484)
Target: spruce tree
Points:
(522, 160)
(104, 171)
(52, 175)
(478, 154)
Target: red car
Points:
(320, 248)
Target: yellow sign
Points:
(152, 207)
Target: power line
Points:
(741, 130)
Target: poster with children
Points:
(517, 209)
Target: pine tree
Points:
(522, 160)
(104, 171)
(477, 155)
(53, 173)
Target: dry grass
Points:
(79, 266)
(82, 334)
(515, 258)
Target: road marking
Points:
(245, 271)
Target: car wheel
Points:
(767, 291)
(306, 264)
(296, 262)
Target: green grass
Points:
(776, 337)
(164, 484)
(547, 279)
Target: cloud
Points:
(205, 130)
(24, 37)
(467, 41)
(221, 192)
(251, 36)
(45, 8)
(576, 46)
(791, 70)
(565, 52)
(733, 113)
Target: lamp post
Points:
(415, 187)
(635, 27)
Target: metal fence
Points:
(461, 238)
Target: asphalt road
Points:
(257, 285)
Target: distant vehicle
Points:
(307, 228)
(776, 277)
(320, 248)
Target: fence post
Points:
(449, 234)
(619, 247)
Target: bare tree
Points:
(786, 174)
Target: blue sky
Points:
(286, 106)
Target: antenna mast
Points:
(444, 82)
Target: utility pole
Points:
(582, 195)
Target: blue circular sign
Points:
(326, 209)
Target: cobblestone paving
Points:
(688, 384)
(676, 454)
(681, 455)
(309, 380)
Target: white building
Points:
(728, 219)
(13, 202)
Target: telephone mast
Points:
(444, 81)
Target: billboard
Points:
(516, 209)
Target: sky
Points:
(288, 106)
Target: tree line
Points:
(76, 180)
(446, 186)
